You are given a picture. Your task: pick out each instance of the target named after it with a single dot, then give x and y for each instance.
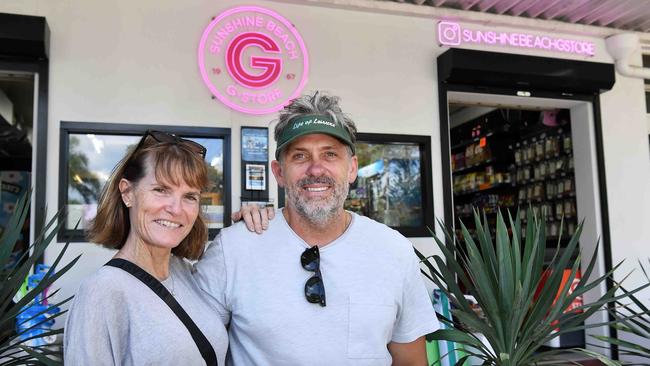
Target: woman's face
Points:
(161, 214)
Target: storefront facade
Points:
(120, 64)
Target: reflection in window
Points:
(92, 157)
(212, 200)
(388, 188)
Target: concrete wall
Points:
(125, 62)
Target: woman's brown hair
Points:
(174, 163)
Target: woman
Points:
(149, 211)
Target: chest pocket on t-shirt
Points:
(371, 326)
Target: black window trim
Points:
(124, 129)
(426, 177)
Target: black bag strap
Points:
(207, 352)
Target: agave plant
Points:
(632, 318)
(523, 298)
(14, 349)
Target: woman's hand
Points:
(255, 217)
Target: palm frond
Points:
(524, 299)
(13, 346)
(633, 320)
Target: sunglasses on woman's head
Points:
(165, 137)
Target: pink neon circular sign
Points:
(253, 60)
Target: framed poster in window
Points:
(394, 182)
(254, 164)
(255, 177)
(254, 144)
(90, 151)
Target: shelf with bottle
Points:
(481, 189)
(551, 157)
(533, 200)
(475, 166)
(488, 211)
(543, 170)
(473, 140)
(478, 181)
(545, 146)
(481, 152)
(473, 154)
(550, 190)
(553, 213)
(489, 204)
(522, 182)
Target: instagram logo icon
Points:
(449, 33)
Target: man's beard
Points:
(318, 211)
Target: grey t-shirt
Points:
(115, 319)
(374, 289)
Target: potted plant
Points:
(522, 297)
(14, 348)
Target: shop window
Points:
(89, 151)
(394, 182)
(511, 160)
(16, 126)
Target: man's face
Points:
(316, 172)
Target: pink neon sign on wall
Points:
(452, 34)
(253, 60)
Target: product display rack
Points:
(510, 160)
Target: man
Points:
(321, 286)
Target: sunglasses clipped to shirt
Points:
(314, 288)
(165, 137)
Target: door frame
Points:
(445, 145)
(40, 70)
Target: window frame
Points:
(126, 129)
(426, 177)
(645, 62)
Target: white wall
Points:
(587, 197)
(125, 62)
(627, 166)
